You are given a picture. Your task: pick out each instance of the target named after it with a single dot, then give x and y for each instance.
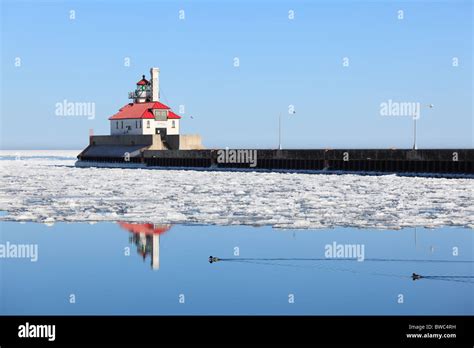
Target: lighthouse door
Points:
(161, 131)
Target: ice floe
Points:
(44, 186)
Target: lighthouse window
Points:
(116, 124)
(121, 124)
(173, 124)
(147, 124)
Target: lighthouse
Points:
(142, 92)
(146, 115)
(147, 91)
(143, 124)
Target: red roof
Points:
(143, 81)
(138, 110)
(173, 116)
(144, 228)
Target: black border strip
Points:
(209, 330)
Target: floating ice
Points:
(46, 187)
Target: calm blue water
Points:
(91, 262)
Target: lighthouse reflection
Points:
(146, 237)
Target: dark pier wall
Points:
(459, 161)
(180, 158)
(442, 161)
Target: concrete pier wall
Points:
(111, 147)
(190, 142)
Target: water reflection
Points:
(271, 263)
(146, 237)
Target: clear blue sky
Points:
(282, 62)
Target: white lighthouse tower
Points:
(142, 92)
(147, 91)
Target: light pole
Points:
(279, 130)
(414, 127)
(414, 133)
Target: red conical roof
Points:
(143, 81)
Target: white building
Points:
(144, 118)
(146, 115)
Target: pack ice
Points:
(46, 187)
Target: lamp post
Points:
(279, 130)
(414, 133)
(415, 147)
